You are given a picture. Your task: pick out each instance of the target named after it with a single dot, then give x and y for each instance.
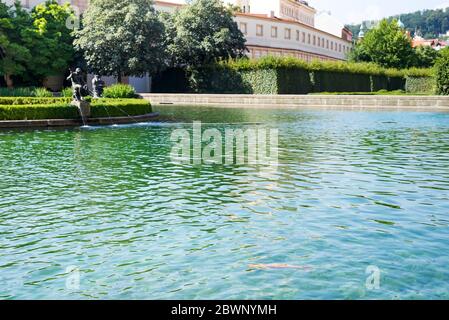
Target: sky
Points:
(355, 11)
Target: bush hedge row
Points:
(60, 108)
(442, 75)
(420, 85)
(285, 75)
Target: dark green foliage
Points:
(442, 75)
(32, 100)
(340, 82)
(430, 23)
(426, 56)
(272, 75)
(121, 38)
(201, 33)
(38, 111)
(396, 83)
(104, 108)
(60, 108)
(172, 80)
(387, 45)
(119, 91)
(420, 85)
(291, 81)
(34, 45)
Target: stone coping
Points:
(76, 122)
(301, 101)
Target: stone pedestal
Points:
(83, 108)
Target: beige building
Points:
(274, 27)
(283, 28)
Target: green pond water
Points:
(102, 212)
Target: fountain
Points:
(80, 90)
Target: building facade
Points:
(283, 28)
(275, 27)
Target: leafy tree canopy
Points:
(15, 40)
(429, 23)
(53, 46)
(201, 33)
(386, 45)
(121, 37)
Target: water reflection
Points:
(352, 189)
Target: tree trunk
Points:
(8, 80)
(119, 78)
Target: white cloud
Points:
(444, 5)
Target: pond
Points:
(357, 207)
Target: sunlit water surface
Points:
(352, 190)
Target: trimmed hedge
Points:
(103, 108)
(274, 75)
(60, 108)
(32, 100)
(442, 75)
(420, 85)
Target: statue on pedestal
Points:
(78, 84)
(97, 86)
(80, 90)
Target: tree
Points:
(53, 49)
(121, 38)
(426, 57)
(387, 45)
(429, 22)
(15, 38)
(442, 75)
(202, 33)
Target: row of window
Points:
(258, 53)
(304, 37)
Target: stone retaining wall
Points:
(299, 101)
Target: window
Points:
(288, 33)
(259, 30)
(309, 37)
(327, 44)
(274, 32)
(298, 35)
(314, 40)
(339, 47)
(303, 37)
(319, 42)
(244, 28)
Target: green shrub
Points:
(32, 100)
(103, 108)
(17, 92)
(119, 91)
(38, 111)
(442, 75)
(67, 93)
(287, 75)
(42, 93)
(172, 80)
(59, 108)
(420, 85)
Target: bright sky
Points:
(350, 11)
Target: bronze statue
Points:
(97, 86)
(78, 84)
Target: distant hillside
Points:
(430, 23)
